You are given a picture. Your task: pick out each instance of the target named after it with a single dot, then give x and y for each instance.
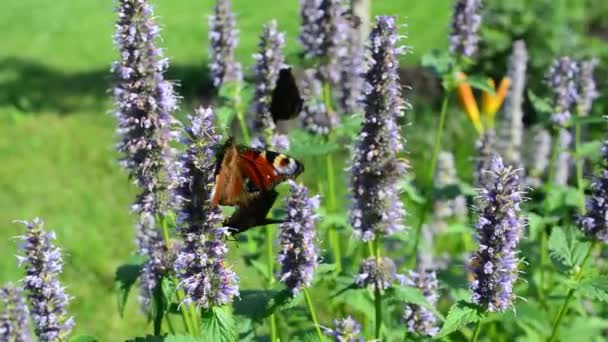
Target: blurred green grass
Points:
(57, 138)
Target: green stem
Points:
(564, 308)
(426, 206)
(579, 165)
(334, 238)
(377, 293)
(476, 332)
(313, 314)
(554, 153)
(327, 96)
(270, 256)
(170, 324)
(240, 115)
(543, 264)
(188, 323)
(273, 328)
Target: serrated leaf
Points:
(411, 295)
(480, 82)
(460, 314)
(594, 288)
(83, 338)
(126, 276)
(565, 248)
(218, 325)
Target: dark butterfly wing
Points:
(253, 214)
(286, 101)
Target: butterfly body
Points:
(253, 214)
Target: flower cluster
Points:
(537, 157)
(494, 266)
(485, 148)
(145, 102)
(564, 160)
(595, 223)
(353, 67)
(378, 273)
(345, 330)
(299, 254)
(269, 61)
(316, 116)
(200, 264)
(48, 301)
(511, 128)
(562, 82)
(418, 319)
(587, 88)
(376, 169)
(223, 39)
(466, 20)
(14, 318)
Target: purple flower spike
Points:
(315, 116)
(586, 83)
(485, 149)
(345, 330)
(299, 254)
(466, 20)
(420, 320)
(269, 61)
(376, 168)
(223, 39)
(595, 223)
(378, 274)
(200, 264)
(353, 66)
(145, 102)
(43, 265)
(14, 316)
(499, 228)
(562, 82)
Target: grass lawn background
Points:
(57, 139)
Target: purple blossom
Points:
(14, 316)
(223, 39)
(145, 102)
(419, 319)
(376, 168)
(466, 20)
(378, 273)
(345, 330)
(562, 82)
(269, 61)
(43, 265)
(299, 254)
(595, 222)
(499, 228)
(485, 149)
(200, 264)
(353, 67)
(537, 157)
(315, 116)
(586, 84)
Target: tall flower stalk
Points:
(299, 253)
(48, 300)
(500, 226)
(145, 102)
(14, 316)
(345, 330)
(200, 264)
(511, 128)
(353, 68)
(269, 61)
(223, 40)
(376, 168)
(420, 320)
(466, 21)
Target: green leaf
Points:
(412, 295)
(254, 304)
(536, 224)
(83, 338)
(261, 268)
(218, 325)
(594, 288)
(591, 150)
(305, 144)
(148, 338)
(565, 248)
(480, 82)
(460, 314)
(126, 276)
(587, 120)
(540, 105)
(410, 190)
(182, 338)
(224, 116)
(438, 61)
(585, 329)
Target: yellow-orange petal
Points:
(487, 99)
(469, 104)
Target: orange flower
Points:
(490, 104)
(468, 102)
